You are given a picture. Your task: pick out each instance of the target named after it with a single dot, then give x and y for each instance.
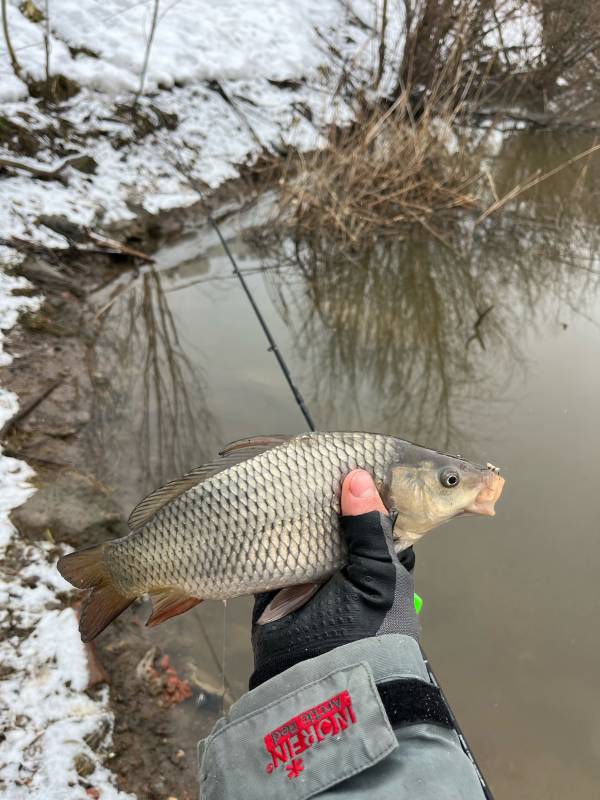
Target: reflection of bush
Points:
(428, 324)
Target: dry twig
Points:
(16, 67)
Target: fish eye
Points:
(449, 477)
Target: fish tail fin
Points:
(86, 569)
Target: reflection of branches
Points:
(476, 335)
(151, 401)
(395, 319)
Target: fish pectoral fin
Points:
(169, 602)
(288, 600)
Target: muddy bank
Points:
(56, 379)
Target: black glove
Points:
(371, 595)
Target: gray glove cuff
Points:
(401, 617)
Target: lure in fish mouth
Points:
(265, 515)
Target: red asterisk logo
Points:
(295, 768)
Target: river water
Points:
(486, 343)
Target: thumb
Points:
(360, 495)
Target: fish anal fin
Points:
(169, 602)
(288, 600)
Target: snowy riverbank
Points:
(223, 82)
(274, 63)
(207, 85)
(48, 722)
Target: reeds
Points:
(411, 154)
(388, 168)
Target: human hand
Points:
(370, 596)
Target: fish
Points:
(264, 515)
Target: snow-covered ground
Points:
(48, 718)
(45, 716)
(277, 60)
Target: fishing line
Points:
(308, 417)
(224, 657)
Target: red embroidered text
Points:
(300, 733)
(295, 768)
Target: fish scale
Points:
(245, 529)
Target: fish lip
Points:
(484, 503)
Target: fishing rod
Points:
(273, 348)
(311, 424)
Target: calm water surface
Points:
(487, 344)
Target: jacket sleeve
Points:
(364, 717)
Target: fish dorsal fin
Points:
(147, 508)
(260, 443)
(232, 454)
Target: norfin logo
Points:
(325, 720)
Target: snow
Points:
(14, 474)
(245, 46)
(45, 713)
(195, 40)
(48, 716)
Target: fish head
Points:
(428, 488)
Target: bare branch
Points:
(11, 53)
(153, 25)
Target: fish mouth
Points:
(486, 499)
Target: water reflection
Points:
(433, 324)
(151, 418)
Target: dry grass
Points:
(404, 159)
(408, 157)
(392, 166)
(390, 172)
